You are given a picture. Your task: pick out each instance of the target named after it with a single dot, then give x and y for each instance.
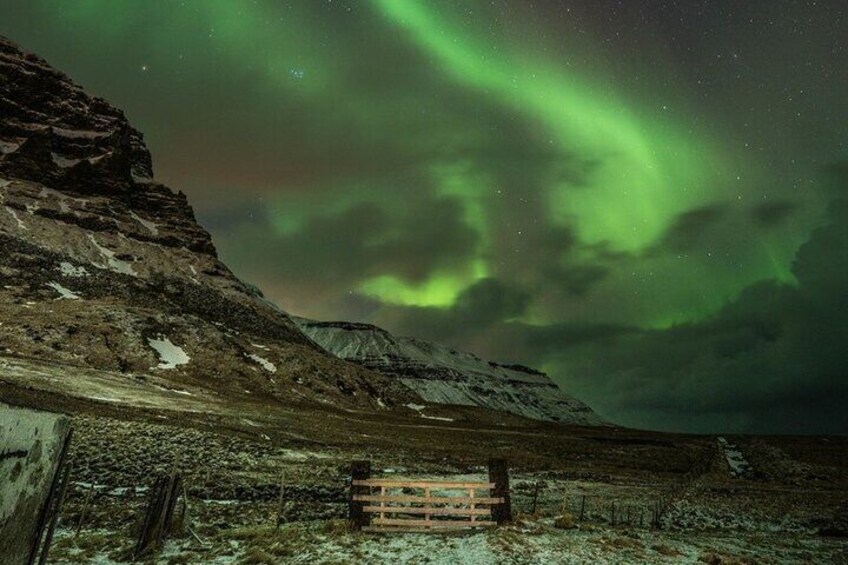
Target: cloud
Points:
(771, 360)
(486, 303)
(773, 214)
(577, 279)
(536, 344)
(332, 252)
(689, 228)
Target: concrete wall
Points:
(31, 444)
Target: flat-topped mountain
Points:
(446, 376)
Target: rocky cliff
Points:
(101, 267)
(446, 376)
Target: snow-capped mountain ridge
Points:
(443, 375)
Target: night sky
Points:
(645, 199)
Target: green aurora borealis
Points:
(570, 185)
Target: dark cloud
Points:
(576, 279)
(486, 303)
(489, 300)
(535, 344)
(552, 259)
(337, 250)
(772, 360)
(773, 214)
(839, 173)
(689, 228)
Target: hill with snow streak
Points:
(446, 376)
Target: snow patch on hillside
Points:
(264, 363)
(15, 217)
(170, 356)
(71, 270)
(440, 418)
(8, 147)
(152, 227)
(113, 263)
(63, 162)
(64, 293)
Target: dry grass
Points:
(666, 550)
(337, 527)
(565, 522)
(256, 556)
(712, 557)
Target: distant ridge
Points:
(447, 376)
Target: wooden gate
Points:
(436, 505)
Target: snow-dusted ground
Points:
(231, 482)
(527, 542)
(739, 466)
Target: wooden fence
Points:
(398, 505)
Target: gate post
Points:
(499, 475)
(359, 470)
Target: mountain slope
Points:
(443, 375)
(102, 267)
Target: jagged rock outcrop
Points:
(443, 375)
(53, 134)
(101, 267)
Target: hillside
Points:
(446, 376)
(102, 267)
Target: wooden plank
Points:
(425, 499)
(386, 529)
(417, 529)
(432, 511)
(474, 506)
(432, 523)
(427, 512)
(394, 483)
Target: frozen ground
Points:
(528, 541)
(232, 480)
